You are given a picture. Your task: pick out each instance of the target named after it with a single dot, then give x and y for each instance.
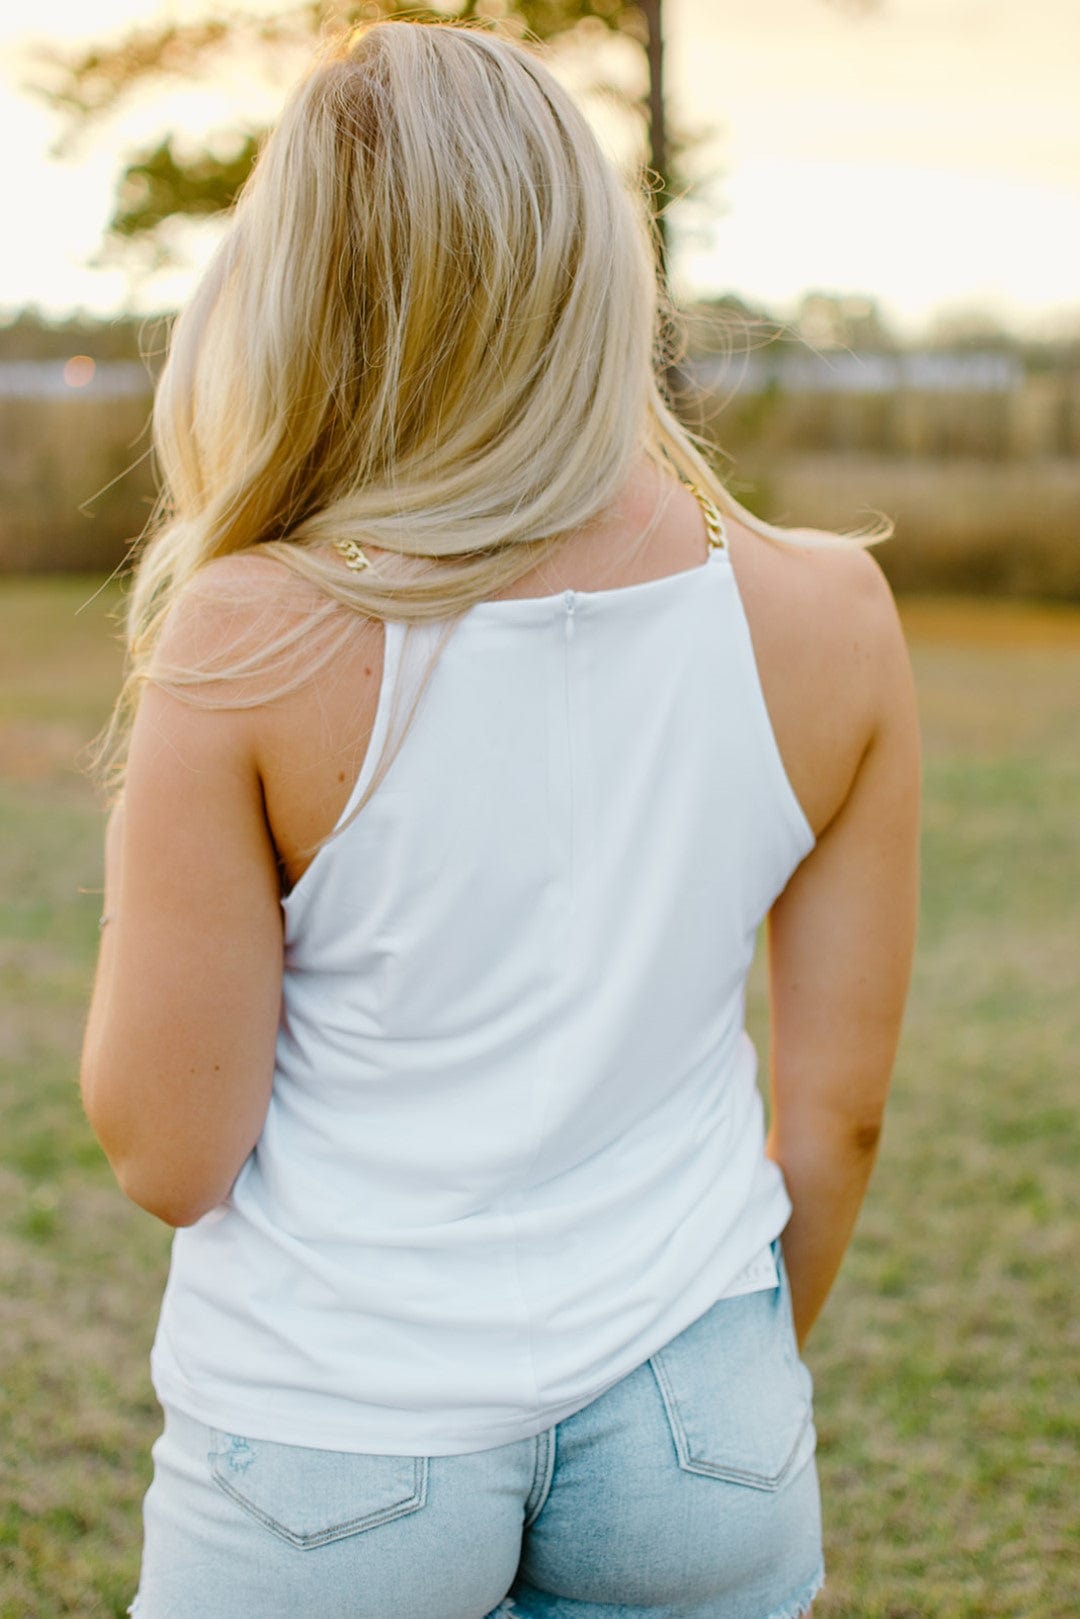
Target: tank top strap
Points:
(715, 532)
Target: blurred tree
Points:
(970, 327)
(719, 326)
(27, 334)
(171, 180)
(832, 320)
(164, 183)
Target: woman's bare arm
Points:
(179, 1049)
(841, 939)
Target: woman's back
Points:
(814, 617)
(512, 1060)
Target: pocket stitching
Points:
(338, 1531)
(792, 1366)
(692, 1464)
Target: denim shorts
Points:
(687, 1489)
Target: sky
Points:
(926, 153)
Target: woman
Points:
(476, 729)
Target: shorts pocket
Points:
(312, 1497)
(738, 1398)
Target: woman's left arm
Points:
(178, 1057)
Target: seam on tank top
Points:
(539, 1099)
(568, 715)
(565, 955)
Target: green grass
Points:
(945, 1363)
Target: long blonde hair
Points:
(433, 328)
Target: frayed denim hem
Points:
(508, 1608)
(802, 1602)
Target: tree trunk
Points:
(658, 152)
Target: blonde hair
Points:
(433, 328)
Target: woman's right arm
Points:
(841, 939)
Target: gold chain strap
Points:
(714, 530)
(354, 557)
(714, 523)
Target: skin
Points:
(221, 804)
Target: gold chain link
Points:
(354, 557)
(714, 523)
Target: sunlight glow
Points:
(926, 154)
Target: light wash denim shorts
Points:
(687, 1489)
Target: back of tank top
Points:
(515, 1142)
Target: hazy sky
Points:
(928, 153)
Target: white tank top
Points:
(515, 1142)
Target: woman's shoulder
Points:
(283, 674)
(230, 598)
(809, 581)
(830, 655)
(249, 623)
